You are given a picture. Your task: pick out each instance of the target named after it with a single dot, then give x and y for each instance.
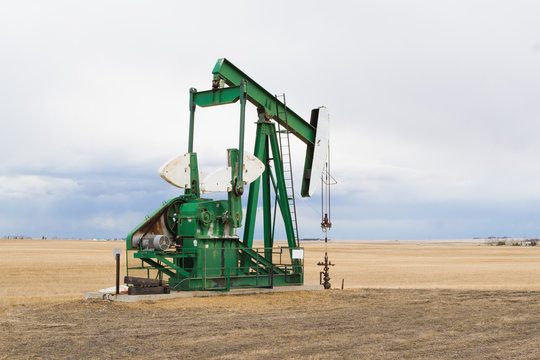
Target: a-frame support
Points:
(267, 150)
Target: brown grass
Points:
(428, 265)
(408, 301)
(41, 270)
(45, 270)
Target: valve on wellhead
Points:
(325, 275)
(326, 181)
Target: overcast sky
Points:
(434, 109)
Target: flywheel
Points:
(172, 215)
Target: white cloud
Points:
(429, 101)
(116, 222)
(37, 187)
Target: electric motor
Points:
(156, 242)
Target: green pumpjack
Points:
(191, 242)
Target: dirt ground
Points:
(414, 300)
(350, 324)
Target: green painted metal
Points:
(266, 141)
(267, 203)
(192, 107)
(213, 265)
(239, 183)
(207, 254)
(155, 215)
(310, 148)
(212, 98)
(258, 96)
(281, 194)
(194, 176)
(253, 197)
(235, 199)
(226, 72)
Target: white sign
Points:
(298, 254)
(117, 251)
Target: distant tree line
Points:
(512, 242)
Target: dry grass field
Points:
(428, 265)
(402, 300)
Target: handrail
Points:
(263, 273)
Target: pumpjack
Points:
(191, 242)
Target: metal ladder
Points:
(285, 149)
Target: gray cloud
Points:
(434, 109)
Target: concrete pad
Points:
(191, 294)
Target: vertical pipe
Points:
(328, 168)
(271, 276)
(322, 199)
(204, 268)
(253, 198)
(257, 270)
(239, 181)
(117, 274)
(192, 106)
(267, 205)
